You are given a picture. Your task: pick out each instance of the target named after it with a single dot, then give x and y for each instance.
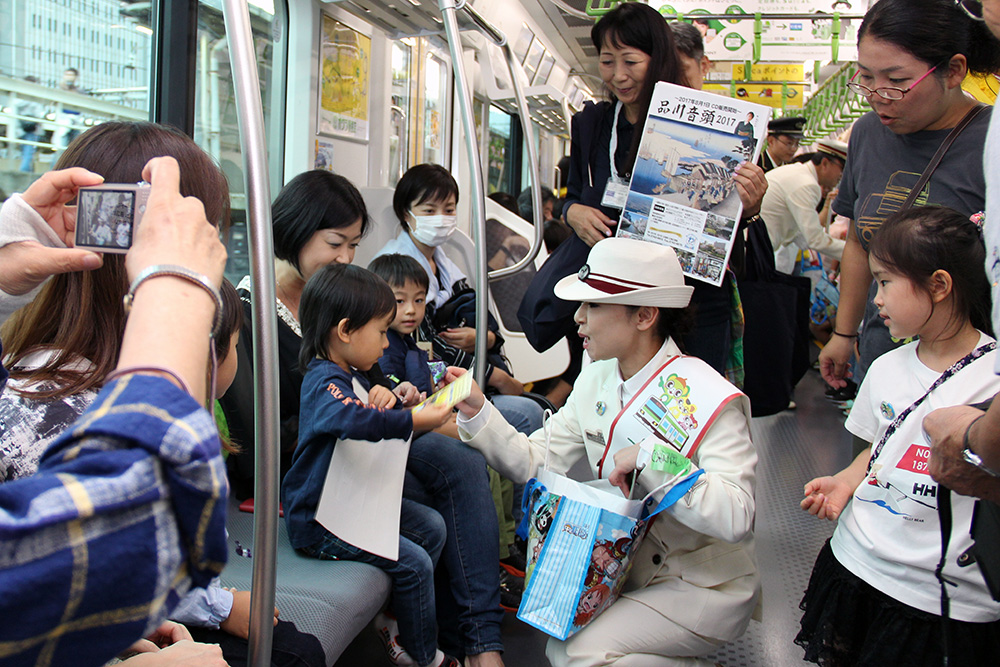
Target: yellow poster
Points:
(768, 94)
(771, 72)
(345, 58)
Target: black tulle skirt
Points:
(847, 622)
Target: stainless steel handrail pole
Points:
(265, 328)
(536, 185)
(478, 195)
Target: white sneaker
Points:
(388, 632)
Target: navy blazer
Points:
(403, 361)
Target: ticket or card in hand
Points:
(452, 395)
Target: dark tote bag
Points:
(776, 333)
(545, 318)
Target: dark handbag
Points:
(545, 318)
(776, 330)
(986, 537)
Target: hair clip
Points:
(979, 219)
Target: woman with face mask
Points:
(425, 202)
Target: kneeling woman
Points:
(694, 581)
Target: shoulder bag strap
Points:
(944, 518)
(942, 149)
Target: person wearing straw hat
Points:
(789, 206)
(694, 582)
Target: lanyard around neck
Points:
(955, 368)
(613, 146)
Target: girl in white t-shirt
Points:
(874, 598)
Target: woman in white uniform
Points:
(694, 581)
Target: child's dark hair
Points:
(424, 182)
(232, 319)
(397, 269)
(338, 292)
(919, 241)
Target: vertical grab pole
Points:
(265, 340)
(536, 184)
(448, 9)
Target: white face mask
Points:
(433, 230)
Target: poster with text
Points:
(344, 69)
(682, 192)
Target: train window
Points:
(503, 157)
(216, 127)
(436, 93)
(67, 68)
(401, 111)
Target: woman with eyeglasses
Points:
(912, 58)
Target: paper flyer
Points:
(452, 395)
(366, 477)
(682, 192)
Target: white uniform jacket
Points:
(789, 211)
(700, 551)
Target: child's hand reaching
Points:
(826, 497)
(408, 394)
(381, 397)
(431, 416)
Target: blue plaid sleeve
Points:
(126, 512)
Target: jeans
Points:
(28, 152)
(450, 477)
(422, 534)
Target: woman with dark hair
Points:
(638, 50)
(912, 58)
(64, 344)
(318, 219)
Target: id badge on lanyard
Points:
(616, 191)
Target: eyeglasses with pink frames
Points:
(885, 92)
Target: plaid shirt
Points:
(125, 514)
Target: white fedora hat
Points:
(630, 273)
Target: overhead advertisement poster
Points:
(345, 58)
(766, 85)
(799, 39)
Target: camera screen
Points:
(104, 218)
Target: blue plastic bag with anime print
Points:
(580, 541)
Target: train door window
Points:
(435, 110)
(216, 126)
(67, 68)
(401, 109)
(504, 152)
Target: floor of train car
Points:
(794, 446)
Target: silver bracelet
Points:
(179, 272)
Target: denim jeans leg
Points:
(422, 537)
(28, 152)
(451, 478)
(522, 413)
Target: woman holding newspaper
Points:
(637, 51)
(694, 582)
